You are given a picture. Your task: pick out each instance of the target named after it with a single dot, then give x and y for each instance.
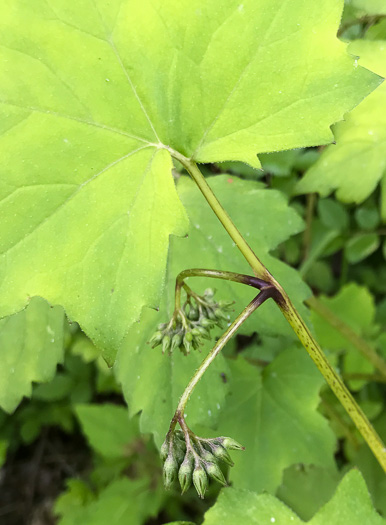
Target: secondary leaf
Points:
(354, 306)
(273, 414)
(350, 505)
(355, 165)
(107, 428)
(124, 501)
(112, 83)
(31, 345)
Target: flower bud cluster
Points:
(191, 323)
(196, 462)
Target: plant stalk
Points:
(232, 329)
(291, 314)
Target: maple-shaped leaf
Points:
(95, 95)
(350, 505)
(354, 166)
(273, 413)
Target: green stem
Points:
(291, 314)
(364, 348)
(257, 301)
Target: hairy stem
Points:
(291, 314)
(356, 340)
(232, 329)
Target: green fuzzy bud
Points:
(179, 450)
(231, 444)
(165, 344)
(156, 339)
(193, 314)
(215, 473)
(196, 332)
(203, 332)
(188, 337)
(170, 471)
(176, 342)
(225, 304)
(207, 456)
(187, 344)
(220, 314)
(164, 451)
(211, 314)
(221, 453)
(200, 480)
(185, 474)
(206, 323)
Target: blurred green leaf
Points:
(31, 345)
(107, 428)
(123, 502)
(361, 246)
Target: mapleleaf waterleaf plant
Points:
(119, 90)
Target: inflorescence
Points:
(192, 323)
(192, 459)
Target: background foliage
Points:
(78, 440)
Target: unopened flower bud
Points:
(215, 472)
(170, 471)
(220, 314)
(231, 444)
(211, 314)
(185, 474)
(188, 344)
(164, 451)
(225, 304)
(193, 314)
(156, 339)
(165, 344)
(176, 342)
(221, 453)
(200, 480)
(203, 332)
(206, 323)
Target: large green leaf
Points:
(350, 505)
(31, 345)
(89, 93)
(152, 382)
(273, 414)
(355, 165)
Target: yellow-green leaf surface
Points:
(31, 345)
(354, 166)
(350, 505)
(91, 94)
(273, 413)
